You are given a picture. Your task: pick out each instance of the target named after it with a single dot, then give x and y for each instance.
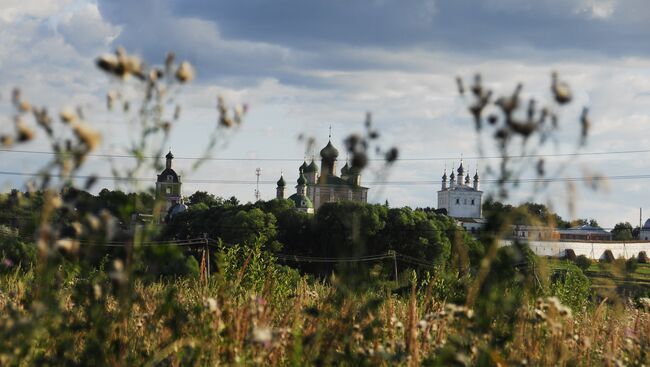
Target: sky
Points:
(303, 66)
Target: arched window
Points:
(170, 178)
(472, 201)
(457, 200)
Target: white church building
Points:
(462, 198)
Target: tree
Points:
(622, 232)
(202, 197)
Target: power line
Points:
(237, 159)
(387, 183)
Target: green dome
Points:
(303, 167)
(312, 167)
(329, 153)
(345, 170)
(302, 180)
(281, 182)
(301, 201)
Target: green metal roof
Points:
(301, 201)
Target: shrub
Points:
(583, 262)
(631, 264)
(572, 287)
(607, 257)
(13, 251)
(643, 257)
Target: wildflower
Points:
(7, 263)
(211, 304)
(67, 115)
(185, 72)
(262, 335)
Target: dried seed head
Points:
(107, 62)
(6, 140)
(392, 154)
(24, 132)
(67, 115)
(185, 72)
(561, 90)
(67, 246)
(24, 106)
(90, 137)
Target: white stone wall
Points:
(459, 203)
(593, 250)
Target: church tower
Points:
(168, 186)
(279, 191)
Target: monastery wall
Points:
(593, 250)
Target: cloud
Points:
(86, 31)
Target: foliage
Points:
(622, 232)
(583, 262)
(253, 270)
(571, 287)
(14, 252)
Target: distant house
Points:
(585, 233)
(538, 233)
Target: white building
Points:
(462, 198)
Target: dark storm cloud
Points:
(284, 38)
(463, 25)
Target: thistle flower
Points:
(561, 90)
(67, 115)
(87, 135)
(185, 72)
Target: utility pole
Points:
(258, 172)
(394, 255)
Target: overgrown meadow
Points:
(225, 283)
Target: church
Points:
(168, 190)
(316, 188)
(461, 198)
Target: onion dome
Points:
(476, 176)
(467, 180)
(302, 181)
(461, 170)
(329, 153)
(303, 167)
(169, 155)
(452, 176)
(444, 176)
(281, 182)
(312, 167)
(345, 170)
